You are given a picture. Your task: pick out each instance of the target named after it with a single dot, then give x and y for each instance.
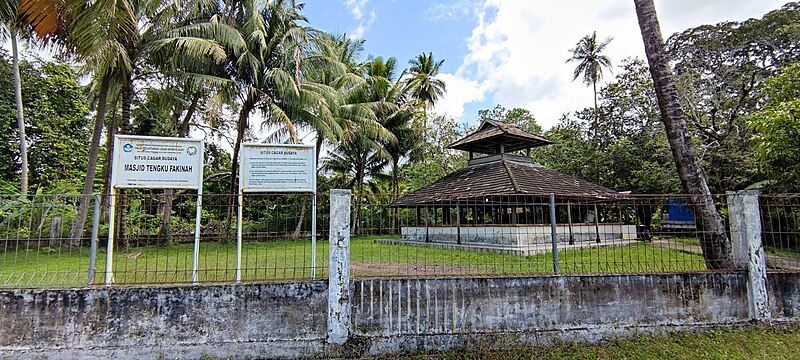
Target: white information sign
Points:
(278, 168)
(157, 162)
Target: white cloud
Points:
(358, 9)
(516, 54)
(460, 91)
(358, 33)
(451, 10)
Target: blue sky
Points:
(511, 52)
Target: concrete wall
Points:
(783, 296)
(243, 321)
(399, 315)
(388, 316)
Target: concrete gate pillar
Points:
(339, 266)
(748, 250)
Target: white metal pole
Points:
(196, 257)
(110, 249)
(238, 277)
(314, 236)
(314, 214)
(93, 243)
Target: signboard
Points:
(278, 168)
(157, 162)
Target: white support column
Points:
(112, 209)
(339, 266)
(238, 274)
(748, 250)
(314, 236)
(196, 249)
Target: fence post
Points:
(748, 250)
(93, 240)
(553, 235)
(339, 266)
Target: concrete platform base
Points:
(522, 250)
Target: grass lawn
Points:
(291, 260)
(756, 343)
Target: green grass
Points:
(757, 343)
(688, 241)
(291, 260)
(789, 253)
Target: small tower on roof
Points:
(500, 173)
(494, 137)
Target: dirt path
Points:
(384, 269)
(773, 261)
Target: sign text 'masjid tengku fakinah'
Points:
(278, 167)
(162, 163)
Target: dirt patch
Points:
(363, 269)
(773, 261)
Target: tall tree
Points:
(588, 53)
(719, 71)
(422, 82)
(716, 245)
(777, 127)
(13, 22)
(95, 34)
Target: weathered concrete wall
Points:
(783, 294)
(388, 316)
(398, 315)
(243, 321)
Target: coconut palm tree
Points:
(14, 23)
(94, 35)
(357, 164)
(114, 38)
(263, 63)
(717, 248)
(422, 82)
(588, 53)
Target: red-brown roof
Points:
(507, 175)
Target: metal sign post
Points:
(151, 162)
(285, 168)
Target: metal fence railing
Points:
(531, 235)
(491, 236)
(154, 239)
(780, 226)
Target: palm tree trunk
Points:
(110, 132)
(127, 97)
(94, 150)
(715, 243)
(596, 109)
(241, 126)
(165, 208)
(304, 207)
(357, 219)
(395, 193)
(23, 142)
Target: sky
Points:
(512, 52)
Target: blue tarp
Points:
(679, 211)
